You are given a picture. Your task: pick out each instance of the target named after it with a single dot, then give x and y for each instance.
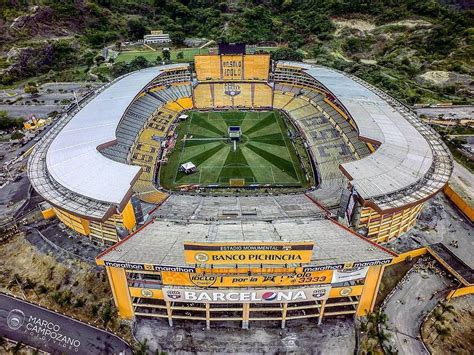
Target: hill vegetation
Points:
(420, 51)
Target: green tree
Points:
(99, 60)
(142, 348)
(178, 37)
(287, 54)
(139, 62)
(136, 29)
(119, 69)
(180, 55)
(88, 58)
(166, 55)
(30, 89)
(106, 314)
(446, 307)
(7, 79)
(9, 123)
(17, 348)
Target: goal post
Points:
(236, 182)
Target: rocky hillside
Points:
(420, 51)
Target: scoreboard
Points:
(232, 67)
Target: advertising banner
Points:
(149, 267)
(349, 274)
(206, 280)
(275, 253)
(357, 264)
(178, 294)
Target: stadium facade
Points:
(245, 258)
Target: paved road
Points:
(40, 111)
(449, 112)
(54, 333)
(406, 312)
(463, 180)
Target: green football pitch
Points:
(264, 154)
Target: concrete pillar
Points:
(283, 315)
(208, 316)
(119, 285)
(369, 292)
(321, 311)
(169, 311)
(245, 316)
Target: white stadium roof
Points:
(411, 162)
(404, 156)
(73, 159)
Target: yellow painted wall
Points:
(409, 254)
(137, 292)
(29, 125)
(119, 286)
(342, 113)
(78, 224)
(48, 213)
(384, 227)
(128, 216)
(207, 67)
(336, 292)
(232, 67)
(459, 202)
(369, 292)
(468, 290)
(256, 67)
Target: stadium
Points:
(240, 190)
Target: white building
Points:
(156, 37)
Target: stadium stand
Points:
(147, 150)
(329, 136)
(205, 208)
(236, 95)
(341, 120)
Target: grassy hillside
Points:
(420, 51)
